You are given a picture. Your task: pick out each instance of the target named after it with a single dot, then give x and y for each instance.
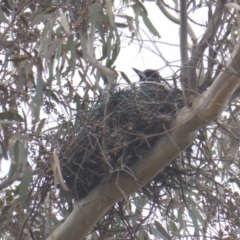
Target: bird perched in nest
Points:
(149, 75)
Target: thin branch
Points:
(176, 20)
(198, 51)
(184, 47)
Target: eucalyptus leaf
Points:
(25, 183)
(2, 16)
(162, 230)
(109, 12)
(64, 23)
(37, 99)
(158, 234)
(194, 220)
(149, 24)
(37, 18)
(72, 49)
(23, 151)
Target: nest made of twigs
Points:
(115, 134)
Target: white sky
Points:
(133, 57)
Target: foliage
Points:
(52, 87)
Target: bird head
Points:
(148, 75)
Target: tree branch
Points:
(205, 108)
(176, 20)
(199, 49)
(184, 48)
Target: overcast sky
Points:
(168, 45)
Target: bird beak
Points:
(141, 74)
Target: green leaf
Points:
(58, 76)
(180, 220)
(40, 126)
(149, 25)
(232, 208)
(37, 99)
(72, 48)
(13, 169)
(16, 151)
(142, 235)
(194, 220)
(109, 12)
(2, 16)
(158, 234)
(93, 10)
(173, 226)
(45, 40)
(162, 230)
(115, 52)
(23, 151)
(26, 179)
(137, 12)
(64, 23)
(37, 19)
(52, 49)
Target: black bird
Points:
(148, 75)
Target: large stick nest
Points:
(113, 134)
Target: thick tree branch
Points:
(205, 108)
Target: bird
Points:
(147, 78)
(148, 75)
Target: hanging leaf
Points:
(162, 230)
(64, 23)
(139, 12)
(194, 220)
(158, 234)
(37, 18)
(23, 151)
(25, 183)
(52, 49)
(109, 12)
(115, 53)
(2, 16)
(37, 99)
(149, 25)
(40, 126)
(72, 48)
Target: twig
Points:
(184, 47)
